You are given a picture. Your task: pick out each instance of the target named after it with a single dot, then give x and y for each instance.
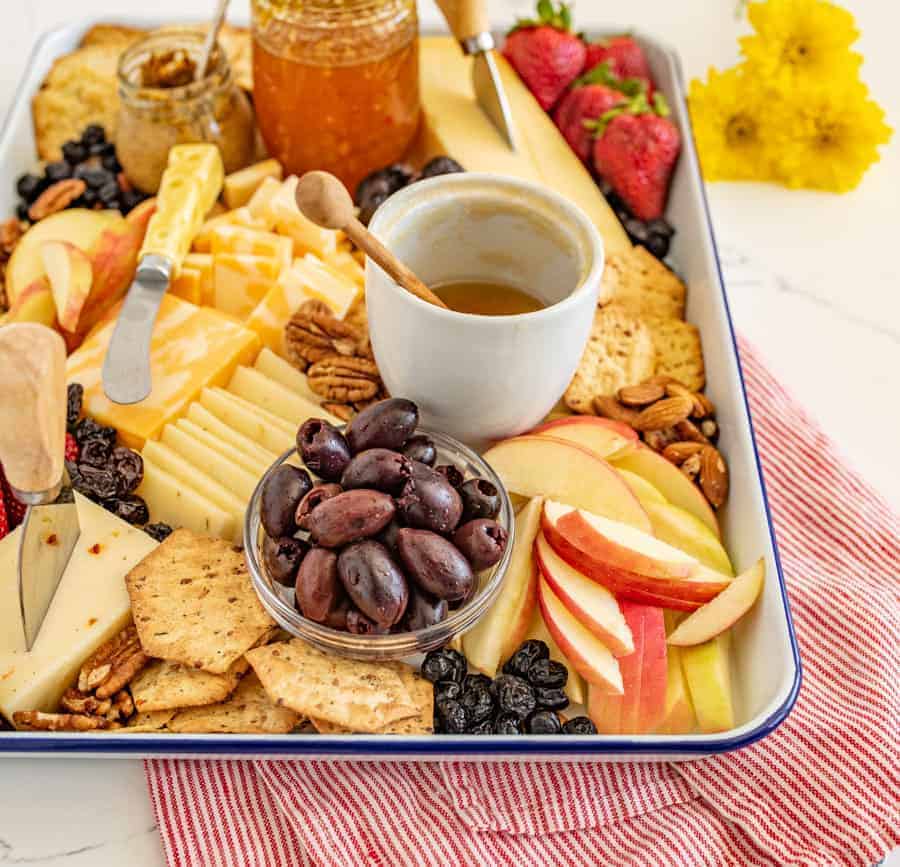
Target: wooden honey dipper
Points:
(324, 200)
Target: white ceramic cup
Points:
(482, 378)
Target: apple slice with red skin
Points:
(545, 466)
(719, 614)
(591, 603)
(603, 437)
(70, 273)
(589, 656)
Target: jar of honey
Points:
(336, 83)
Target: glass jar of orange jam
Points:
(336, 83)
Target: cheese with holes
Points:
(212, 424)
(283, 372)
(269, 431)
(254, 386)
(192, 347)
(240, 186)
(281, 211)
(90, 606)
(241, 281)
(455, 125)
(240, 239)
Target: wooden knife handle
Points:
(465, 18)
(32, 406)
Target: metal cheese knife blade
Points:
(32, 446)
(469, 23)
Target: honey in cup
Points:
(486, 298)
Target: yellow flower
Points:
(827, 136)
(800, 40)
(729, 117)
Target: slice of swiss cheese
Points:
(90, 606)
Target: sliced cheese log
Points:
(177, 504)
(203, 418)
(242, 459)
(254, 386)
(240, 482)
(455, 125)
(254, 422)
(90, 606)
(283, 372)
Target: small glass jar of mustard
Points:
(162, 105)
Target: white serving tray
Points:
(766, 663)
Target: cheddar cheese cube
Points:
(241, 185)
(258, 206)
(241, 281)
(239, 239)
(202, 242)
(282, 212)
(188, 286)
(202, 263)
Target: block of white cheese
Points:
(90, 606)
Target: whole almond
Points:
(641, 395)
(57, 197)
(678, 453)
(713, 476)
(688, 431)
(609, 407)
(664, 413)
(676, 389)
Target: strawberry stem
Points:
(548, 16)
(603, 74)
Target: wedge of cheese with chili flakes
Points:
(192, 348)
(90, 606)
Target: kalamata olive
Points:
(318, 590)
(387, 424)
(423, 610)
(282, 556)
(317, 495)
(359, 624)
(373, 581)
(323, 449)
(388, 536)
(380, 469)
(337, 617)
(429, 501)
(420, 448)
(451, 474)
(482, 542)
(285, 487)
(349, 517)
(435, 564)
(480, 499)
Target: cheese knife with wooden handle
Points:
(189, 187)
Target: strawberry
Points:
(584, 103)
(635, 152)
(4, 520)
(623, 55)
(13, 510)
(545, 52)
(72, 450)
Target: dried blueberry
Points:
(111, 163)
(528, 653)
(637, 230)
(130, 199)
(89, 199)
(452, 474)
(445, 689)
(158, 531)
(74, 400)
(74, 152)
(658, 245)
(508, 724)
(440, 166)
(22, 211)
(444, 664)
(548, 673)
(128, 466)
(552, 699)
(93, 133)
(479, 704)
(452, 717)
(475, 681)
(94, 178)
(29, 187)
(97, 483)
(485, 727)
(543, 722)
(95, 452)
(579, 725)
(109, 193)
(514, 694)
(102, 149)
(130, 508)
(660, 226)
(58, 171)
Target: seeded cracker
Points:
(638, 281)
(679, 353)
(619, 352)
(155, 721)
(168, 685)
(248, 711)
(360, 696)
(193, 603)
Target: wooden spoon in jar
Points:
(324, 200)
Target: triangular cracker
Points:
(619, 352)
(360, 696)
(679, 352)
(248, 711)
(640, 282)
(168, 685)
(193, 603)
(155, 721)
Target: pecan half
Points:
(343, 411)
(91, 673)
(312, 336)
(75, 702)
(36, 720)
(344, 380)
(123, 672)
(57, 197)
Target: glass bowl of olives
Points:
(378, 539)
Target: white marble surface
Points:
(822, 302)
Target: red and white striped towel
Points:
(822, 789)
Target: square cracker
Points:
(193, 603)
(168, 685)
(640, 282)
(360, 696)
(422, 694)
(679, 352)
(155, 721)
(619, 352)
(248, 711)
